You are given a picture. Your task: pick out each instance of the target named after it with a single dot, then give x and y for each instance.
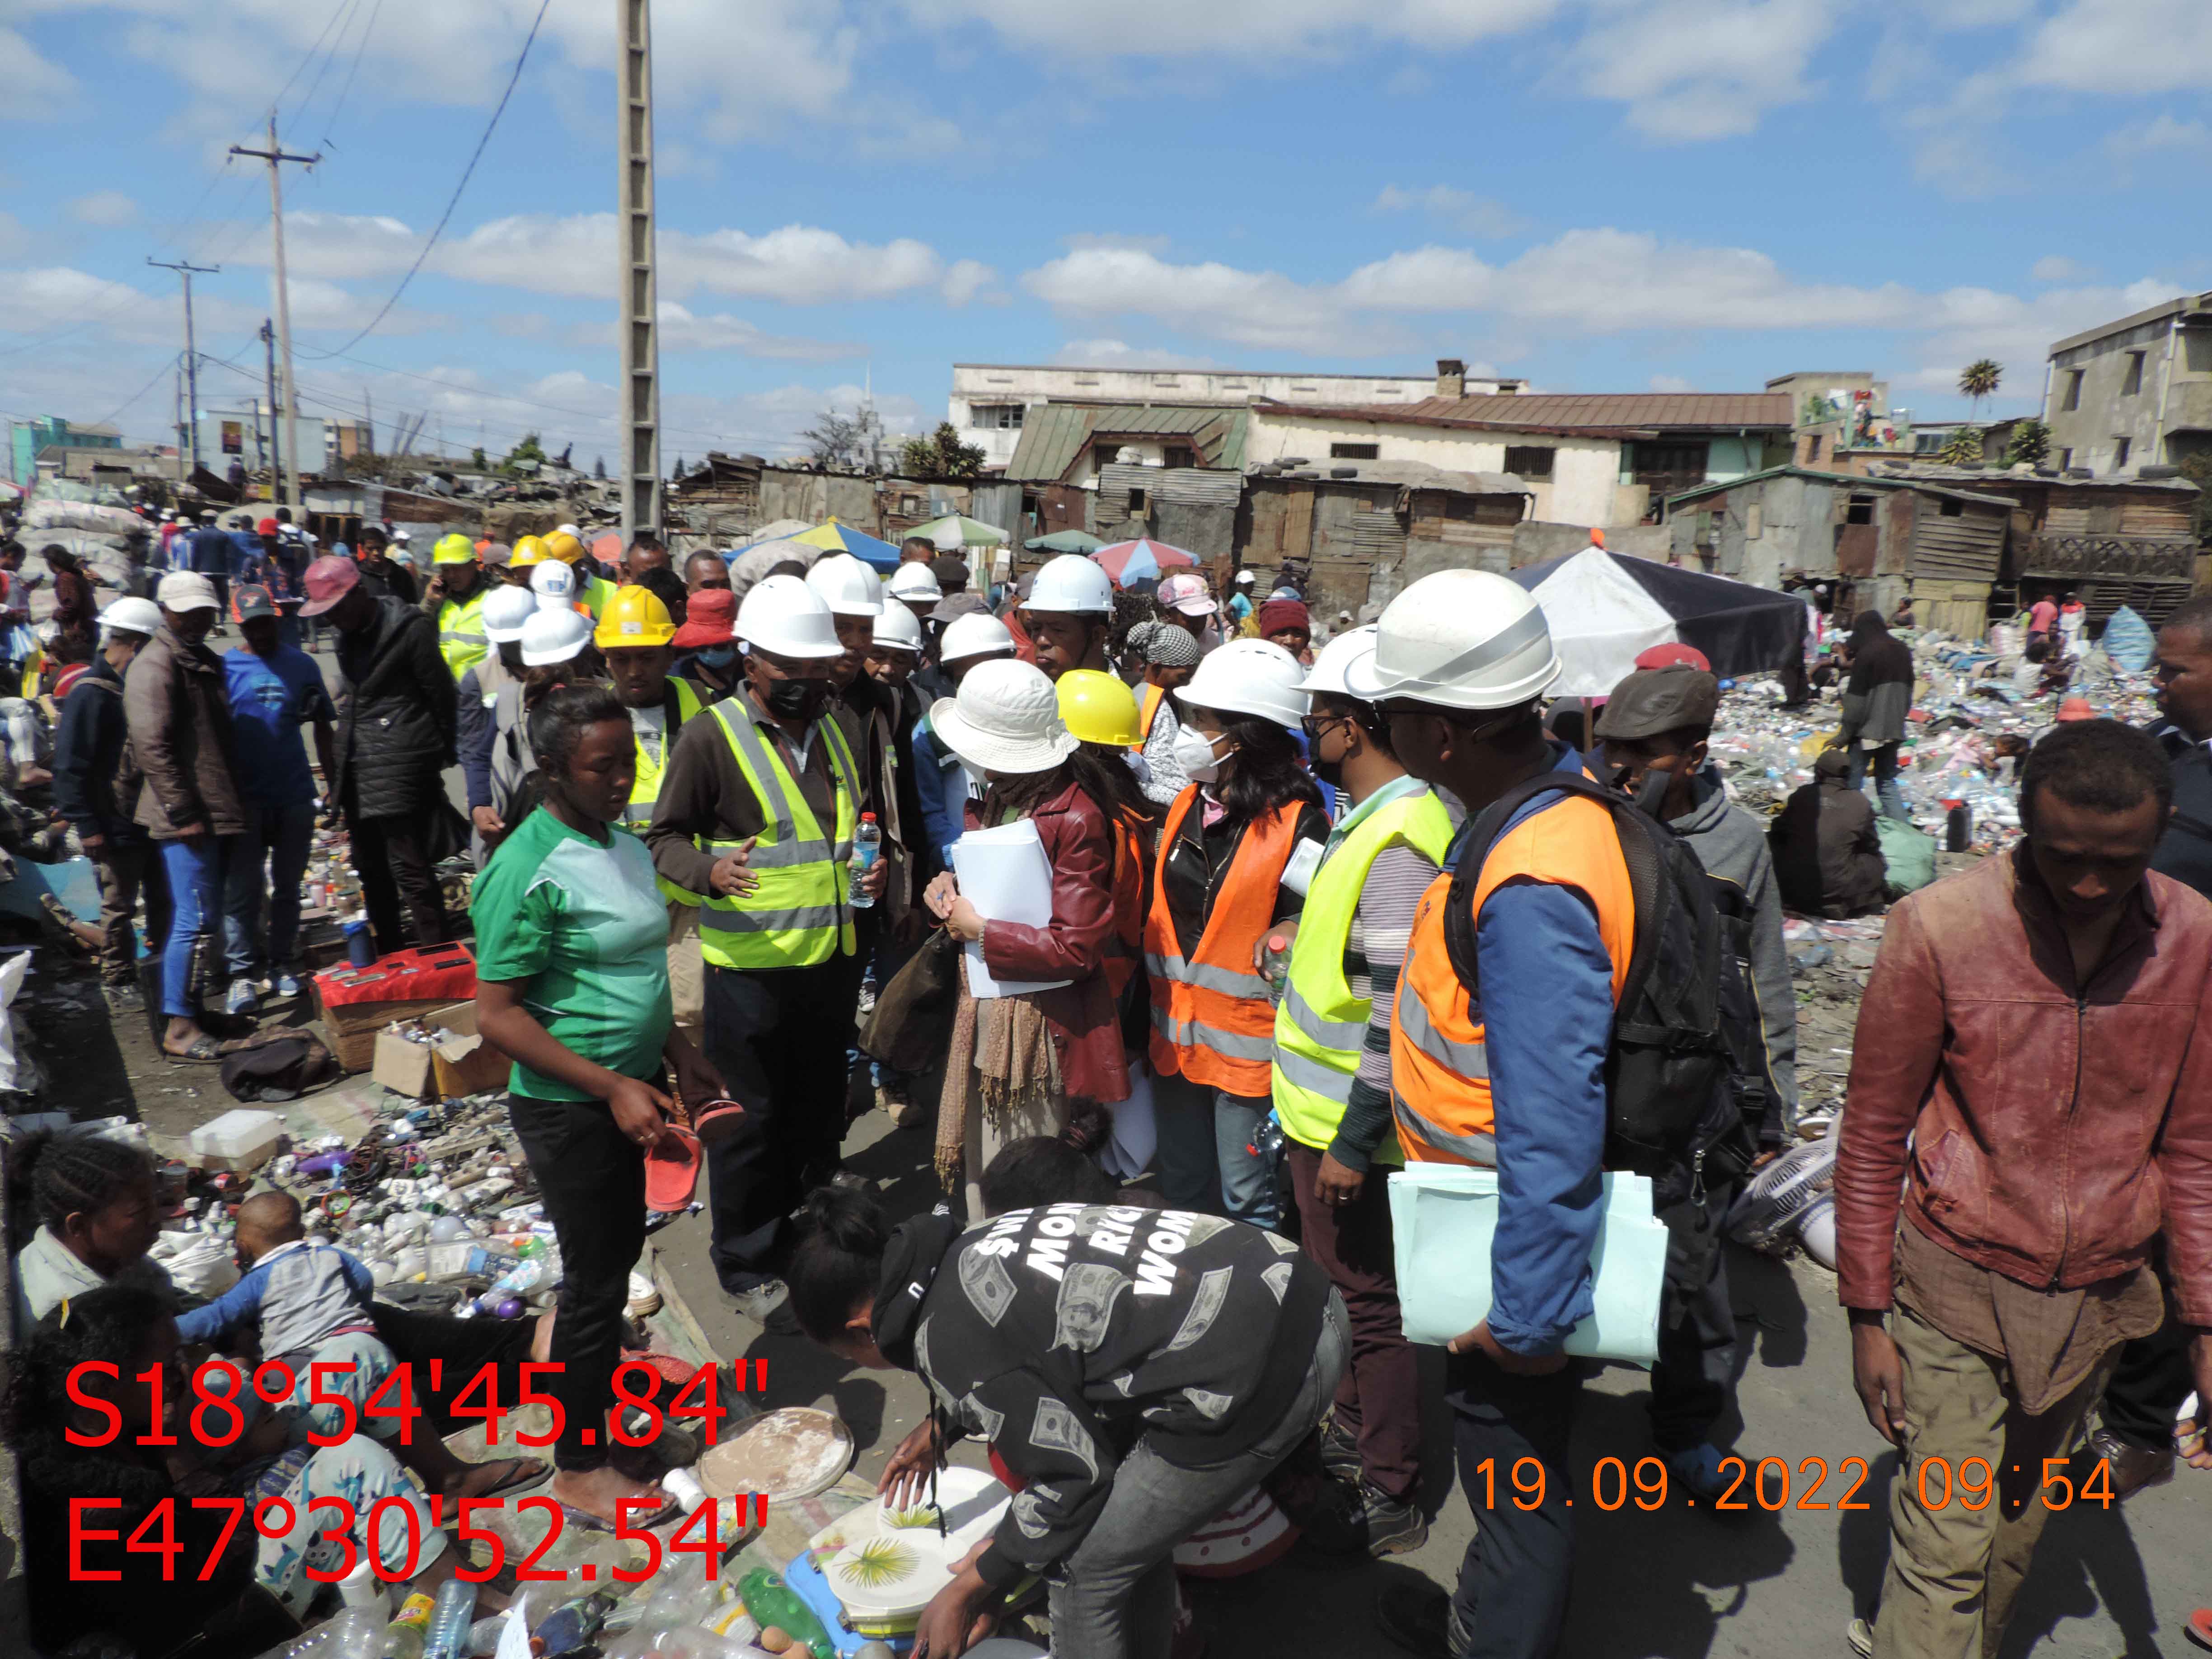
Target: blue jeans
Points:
(1886, 791)
(1206, 1158)
(195, 871)
(280, 837)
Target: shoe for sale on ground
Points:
(242, 998)
(1340, 1450)
(284, 985)
(768, 1304)
(1696, 1473)
(1393, 1527)
(123, 998)
(2133, 1466)
(644, 1298)
(1858, 1637)
(1420, 1618)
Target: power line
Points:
(307, 57)
(359, 47)
(165, 368)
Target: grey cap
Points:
(1655, 699)
(1170, 647)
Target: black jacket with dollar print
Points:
(1063, 1334)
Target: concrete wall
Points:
(1581, 489)
(2106, 412)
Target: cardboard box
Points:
(460, 1063)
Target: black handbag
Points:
(912, 1021)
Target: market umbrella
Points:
(838, 537)
(956, 531)
(1604, 610)
(1142, 560)
(1065, 541)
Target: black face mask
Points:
(1651, 795)
(1329, 771)
(797, 700)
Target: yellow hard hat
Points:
(1098, 708)
(455, 549)
(635, 616)
(564, 547)
(528, 551)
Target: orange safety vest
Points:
(1439, 1069)
(1211, 1018)
(1148, 708)
(1126, 948)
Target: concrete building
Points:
(1588, 458)
(250, 434)
(2133, 394)
(991, 403)
(28, 439)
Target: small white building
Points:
(246, 434)
(990, 401)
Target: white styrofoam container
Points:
(242, 1138)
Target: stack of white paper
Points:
(1004, 874)
(1443, 1216)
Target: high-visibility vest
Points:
(1125, 948)
(1212, 1019)
(679, 702)
(1439, 1068)
(594, 595)
(801, 913)
(1320, 1025)
(1148, 708)
(462, 641)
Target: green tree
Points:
(2030, 444)
(1978, 379)
(528, 450)
(599, 467)
(1962, 446)
(477, 460)
(941, 455)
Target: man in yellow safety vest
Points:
(455, 601)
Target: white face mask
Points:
(1193, 753)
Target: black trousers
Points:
(2147, 1387)
(399, 882)
(779, 1037)
(592, 1179)
(1695, 1366)
(1511, 1597)
(444, 1354)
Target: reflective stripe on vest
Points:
(461, 639)
(1439, 1061)
(646, 791)
(1212, 1022)
(1320, 1027)
(1148, 710)
(799, 913)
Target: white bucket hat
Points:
(1006, 719)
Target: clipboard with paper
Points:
(1004, 873)
(1443, 1217)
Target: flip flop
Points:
(671, 1169)
(591, 1522)
(204, 1051)
(520, 1472)
(2200, 1627)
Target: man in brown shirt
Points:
(2025, 1069)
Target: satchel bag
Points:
(913, 1017)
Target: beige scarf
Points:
(1006, 1042)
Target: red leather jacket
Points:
(2055, 1129)
(1079, 841)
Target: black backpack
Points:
(1687, 1085)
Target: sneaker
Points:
(768, 1304)
(242, 998)
(123, 998)
(1858, 1637)
(1340, 1450)
(1420, 1618)
(1698, 1472)
(2133, 1466)
(1393, 1527)
(644, 1298)
(285, 985)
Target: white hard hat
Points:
(848, 587)
(1006, 719)
(506, 608)
(1326, 674)
(784, 616)
(899, 628)
(1249, 676)
(1460, 639)
(133, 615)
(551, 636)
(1072, 583)
(569, 530)
(554, 583)
(915, 580)
(978, 633)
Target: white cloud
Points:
(1692, 69)
(1119, 353)
(1254, 308)
(1463, 210)
(107, 208)
(1081, 239)
(2126, 47)
(1671, 383)
(36, 85)
(2163, 133)
(682, 331)
(2057, 268)
(1242, 29)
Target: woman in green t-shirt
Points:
(572, 986)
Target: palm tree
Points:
(1978, 379)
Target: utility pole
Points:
(275, 455)
(641, 322)
(192, 356)
(276, 158)
(368, 422)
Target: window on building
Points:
(909, 506)
(1136, 503)
(1812, 448)
(2120, 446)
(1102, 456)
(1860, 510)
(1355, 452)
(995, 417)
(1181, 455)
(2065, 460)
(1951, 509)
(1530, 460)
(2133, 382)
(2073, 398)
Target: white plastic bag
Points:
(200, 1263)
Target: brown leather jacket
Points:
(2055, 1129)
(1072, 946)
(178, 710)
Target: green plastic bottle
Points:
(772, 1601)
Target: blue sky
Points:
(1599, 194)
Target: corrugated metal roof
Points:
(1854, 480)
(1598, 413)
(1055, 435)
(1406, 475)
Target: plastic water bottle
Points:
(867, 848)
(450, 1615)
(1275, 965)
